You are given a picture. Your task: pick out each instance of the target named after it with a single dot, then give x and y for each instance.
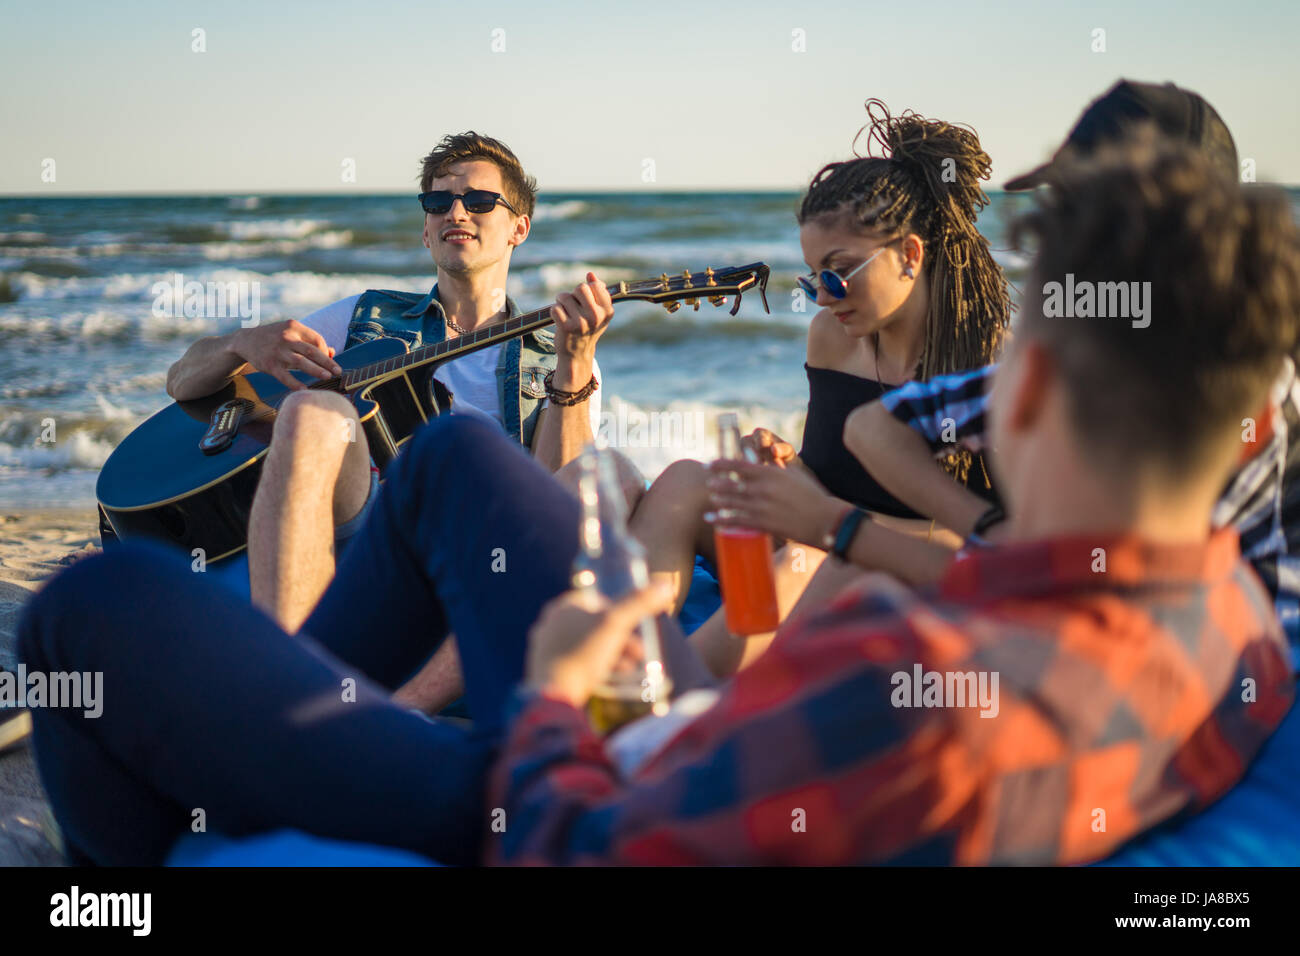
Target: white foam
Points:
(77, 450)
(565, 209)
(244, 249)
(271, 228)
(565, 276)
(290, 288)
(113, 413)
(655, 436)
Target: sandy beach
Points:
(33, 546)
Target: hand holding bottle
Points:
(780, 501)
(744, 553)
(580, 637)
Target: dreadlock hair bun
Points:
(944, 157)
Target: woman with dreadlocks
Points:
(908, 290)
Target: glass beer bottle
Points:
(745, 572)
(611, 562)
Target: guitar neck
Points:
(450, 348)
(715, 286)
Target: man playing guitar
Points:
(317, 482)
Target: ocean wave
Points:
(285, 286)
(244, 249)
(554, 277)
(214, 249)
(102, 324)
(271, 228)
(78, 442)
(79, 450)
(566, 209)
(99, 324)
(150, 382)
(244, 202)
(655, 436)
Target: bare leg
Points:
(437, 684)
(670, 523)
(796, 567)
(829, 580)
(630, 478)
(315, 476)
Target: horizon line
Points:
(577, 191)
(246, 193)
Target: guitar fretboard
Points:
(479, 338)
(689, 286)
(471, 341)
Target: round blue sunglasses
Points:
(836, 285)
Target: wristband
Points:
(847, 530)
(561, 397)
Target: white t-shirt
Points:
(471, 379)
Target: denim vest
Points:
(420, 320)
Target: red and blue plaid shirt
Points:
(1134, 682)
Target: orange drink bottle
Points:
(744, 558)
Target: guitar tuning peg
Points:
(686, 274)
(695, 302)
(709, 273)
(663, 281)
(672, 307)
(718, 300)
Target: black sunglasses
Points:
(438, 202)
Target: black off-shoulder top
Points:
(832, 395)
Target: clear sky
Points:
(713, 93)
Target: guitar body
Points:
(160, 484)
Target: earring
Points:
(907, 271)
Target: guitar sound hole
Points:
(174, 522)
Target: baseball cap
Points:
(1179, 114)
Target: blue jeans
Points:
(211, 712)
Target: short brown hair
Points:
(520, 188)
(1223, 263)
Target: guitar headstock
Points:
(715, 285)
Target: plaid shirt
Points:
(1262, 501)
(1119, 703)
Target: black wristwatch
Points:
(845, 533)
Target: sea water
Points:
(96, 296)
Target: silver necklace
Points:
(456, 327)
